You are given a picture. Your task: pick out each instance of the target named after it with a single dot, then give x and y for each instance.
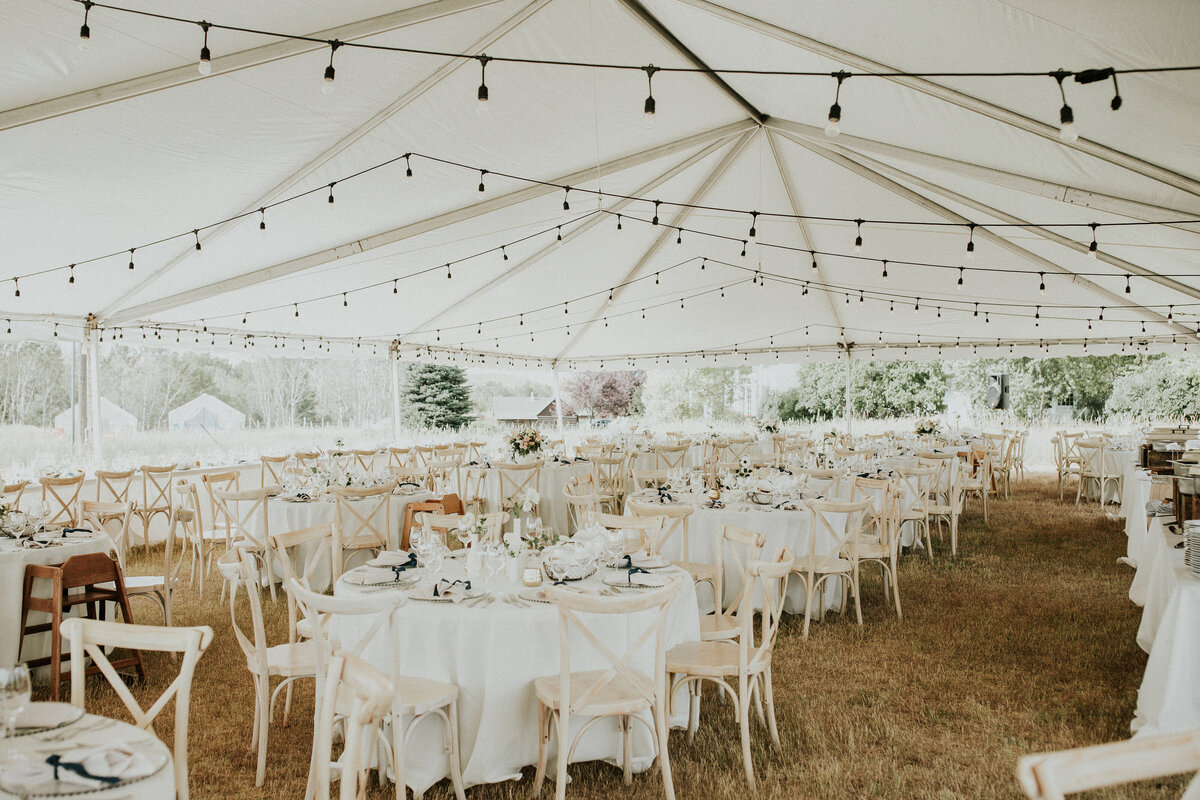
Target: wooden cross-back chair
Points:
(307, 458)
(156, 496)
(473, 488)
(836, 526)
(737, 548)
(287, 547)
(675, 523)
(583, 501)
(517, 479)
(916, 485)
(271, 469)
(12, 494)
(410, 512)
(364, 459)
(612, 481)
(100, 517)
(421, 456)
(92, 639)
(746, 661)
(475, 450)
(63, 496)
(213, 482)
(247, 515)
(1052, 776)
(415, 700)
(112, 486)
(879, 535)
(1092, 469)
(618, 689)
(442, 524)
(399, 457)
(364, 524)
(443, 474)
(649, 478)
(290, 662)
(641, 533)
(672, 456)
(364, 695)
(739, 447)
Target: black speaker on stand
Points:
(997, 390)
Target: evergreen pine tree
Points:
(438, 395)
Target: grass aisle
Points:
(1024, 642)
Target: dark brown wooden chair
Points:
(88, 572)
(434, 506)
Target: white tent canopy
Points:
(205, 412)
(127, 144)
(113, 418)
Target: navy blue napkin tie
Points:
(465, 584)
(57, 762)
(664, 496)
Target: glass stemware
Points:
(15, 690)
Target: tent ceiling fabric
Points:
(126, 144)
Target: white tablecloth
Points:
(1135, 493)
(93, 731)
(553, 506)
(781, 529)
(493, 653)
(285, 515)
(12, 587)
(1169, 697)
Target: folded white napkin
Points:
(115, 760)
(634, 579)
(389, 558)
(644, 560)
(455, 591)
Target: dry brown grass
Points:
(1025, 642)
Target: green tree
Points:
(438, 395)
(1166, 388)
(878, 389)
(708, 392)
(1037, 384)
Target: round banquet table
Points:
(553, 506)
(781, 529)
(94, 731)
(13, 560)
(493, 651)
(288, 515)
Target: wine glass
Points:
(493, 559)
(15, 690)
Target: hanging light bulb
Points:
(813, 254)
(884, 276)
(262, 222)
(131, 257)
(1066, 117)
(858, 235)
(960, 278)
(1042, 284)
(971, 244)
(482, 172)
(832, 126)
(482, 94)
(205, 65)
(753, 224)
(85, 32)
(196, 233)
(72, 278)
(327, 87)
(1093, 247)
(566, 200)
(648, 108)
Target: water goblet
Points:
(15, 690)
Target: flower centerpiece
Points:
(526, 442)
(925, 427)
(524, 503)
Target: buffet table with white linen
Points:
(96, 743)
(13, 560)
(1169, 697)
(1135, 493)
(493, 650)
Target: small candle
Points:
(532, 576)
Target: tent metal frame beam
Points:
(963, 100)
(1049, 235)
(245, 59)
(663, 32)
(921, 200)
(398, 234)
(342, 144)
(678, 219)
(1084, 198)
(570, 236)
(805, 235)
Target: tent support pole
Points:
(849, 415)
(92, 376)
(558, 411)
(394, 358)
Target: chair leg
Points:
(694, 688)
(857, 594)
(263, 718)
(453, 754)
(662, 729)
(626, 751)
(564, 747)
(743, 710)
(896, 588)
(769, 694)
(544, 723)
(55, 647)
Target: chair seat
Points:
(304, 627)
(940, 510)
(713, 659)
(821, 564)
(289, 660)
(715, 628)
(145, 584)
(699, 572)
(617, 697)
(421, 695)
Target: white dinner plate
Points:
(52, 788)
(38, 717)
(425, 595)
(356, 578)
(620, 580)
